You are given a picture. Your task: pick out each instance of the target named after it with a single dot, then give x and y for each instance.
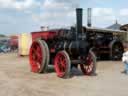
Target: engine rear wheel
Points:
(62, 64)
(116, 51)
(90, 67)
(39, 56)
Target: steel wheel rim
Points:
(88, 67)
(60, 64)
(36, 57)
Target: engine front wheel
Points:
(62, 64)
(90, 67)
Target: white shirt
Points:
(125, 57)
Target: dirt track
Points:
(17, 80)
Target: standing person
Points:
(125, 61)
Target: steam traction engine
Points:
(107, 43)
(65, 49)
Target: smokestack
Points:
(89, 21)
(79, 20)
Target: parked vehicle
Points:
(107, 44)
(5, 48)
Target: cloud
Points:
(124, 12)
(102, 11)
(20, 5)
(60, 4)
(28, 15)
(57, 12)
(103, 15)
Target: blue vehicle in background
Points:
(4, 46)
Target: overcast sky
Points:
(17, 16)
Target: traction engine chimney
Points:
(79, 21)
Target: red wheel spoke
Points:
(61, 59)
(38, 49)
(39, 55)
(38, 65)
(33, 50)
(89, 68)
(64, 63)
